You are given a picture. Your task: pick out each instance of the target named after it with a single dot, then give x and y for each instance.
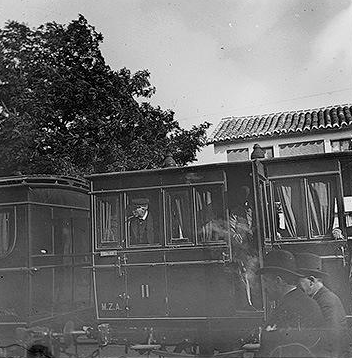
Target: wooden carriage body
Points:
(191, 275)
(44, 249)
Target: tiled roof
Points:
(275, 124)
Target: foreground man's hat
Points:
(310, 265)
(277, 261)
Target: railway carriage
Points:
(175, 250)
(166, 257)
(44, 247)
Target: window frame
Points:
(160, 216)
(99, 245)
(244, 149)
(224, 218)
(339, 142)
(305, 179)
(167, 231)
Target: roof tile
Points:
(232, 128)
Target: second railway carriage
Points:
(44, 247)
(175, 250)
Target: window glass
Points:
(143, 217)
(108, 220)
(322, 206)
(209, 213)
(307, 208)
(178, 216)
(7, 230)
(63, 233)
(289, 206)
(341, 145)
(268, 152)
(41, 229)
(237, 155)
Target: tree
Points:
(63, 110)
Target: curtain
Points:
(285, 195)
(108, 221)
(321, 203)
(178, 224)
(205, 215)
(105, 221)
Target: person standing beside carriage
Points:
(292, 328)
(337, 340)
(242, 246)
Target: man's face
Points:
(140, 210)
(306, 285)
(271, 286)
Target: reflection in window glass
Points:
(341, 145)
(108, 220)
(209, 213)
(178, 216)
(63, 233)
(7, 230)
(41, 229)
(143, 217)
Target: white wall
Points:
(220, 150)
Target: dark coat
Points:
(337, 340)
(296, 310)
(293, 326)
(142, 231)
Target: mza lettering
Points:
(110, 306)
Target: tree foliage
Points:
(63, 110)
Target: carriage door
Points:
(261, 199)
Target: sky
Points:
(211, 59)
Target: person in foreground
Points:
(292, 328)
(337, 340)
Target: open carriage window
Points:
(306, 208)
(7, 230)
(209, 213)
(178, 216)
(108, 220)
(143, 217)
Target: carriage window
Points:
(108, 220)
(289, 205)
(305, 208)
(322, 205)
(7, 230)
(209, 213)
(41, 230)
(143, 217)
(63, 233)
(178, 216)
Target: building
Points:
(309, 131)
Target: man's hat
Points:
(140, 201)
(277, 261)
(310, 265)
